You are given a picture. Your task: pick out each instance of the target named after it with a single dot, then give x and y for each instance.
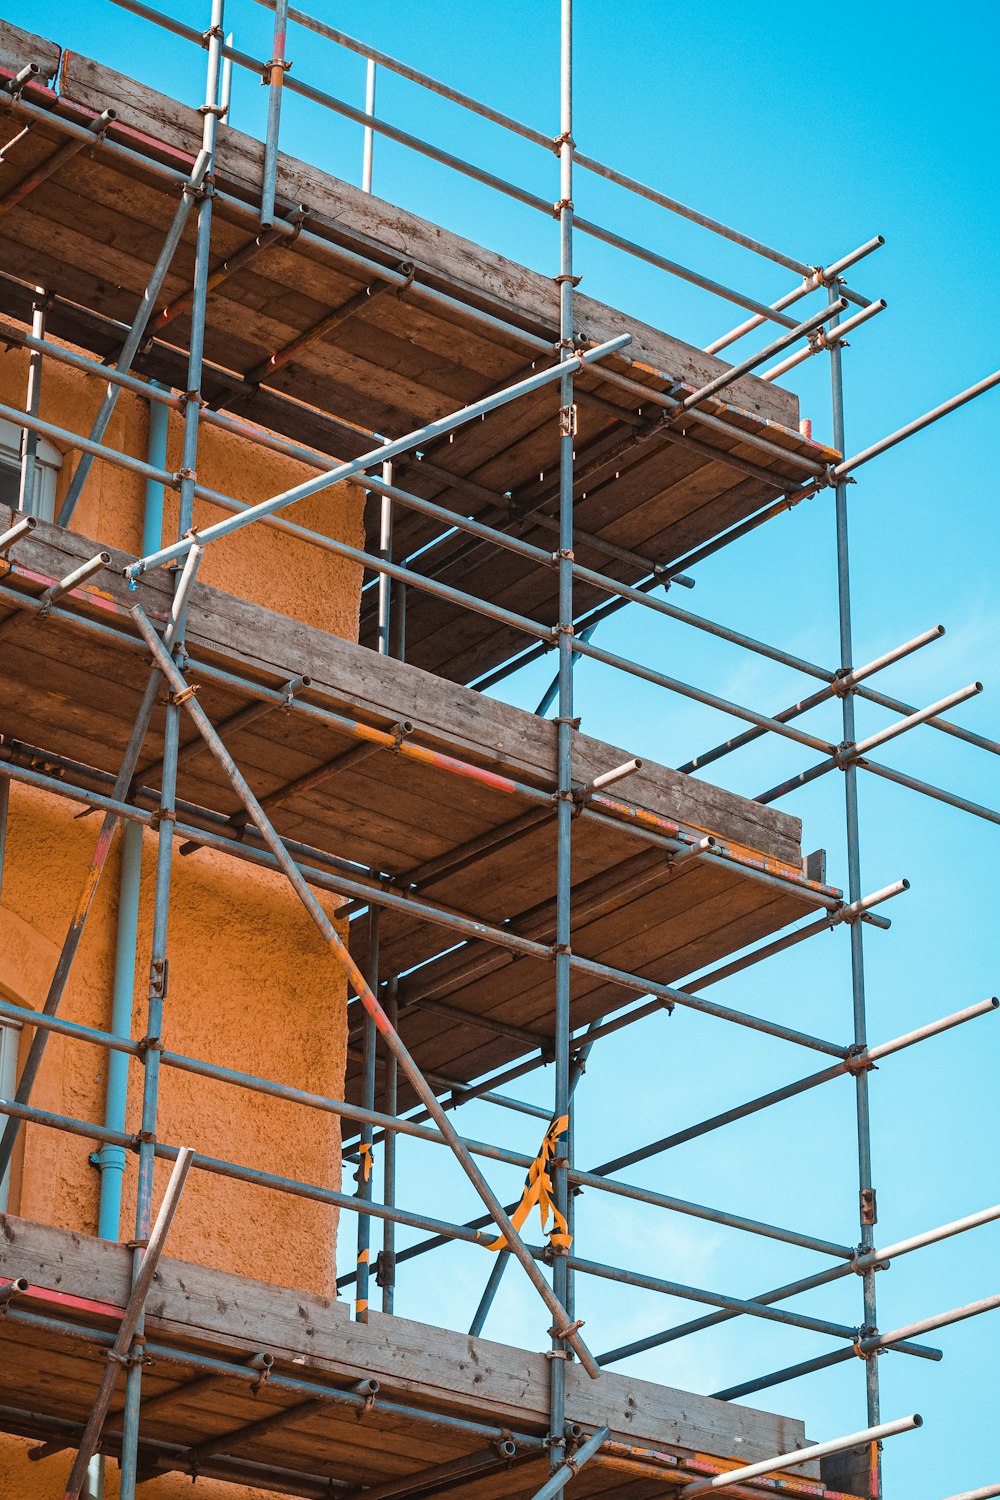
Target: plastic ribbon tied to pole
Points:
(364, 1172)
(538, 1190)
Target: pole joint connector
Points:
(573, 281)
(856, 1060)
(867, 1331)
(561, 949)
(561, 719)
(562, 205)
(568, 421)
(272, 73)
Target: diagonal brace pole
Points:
(568, 1470)
(192, 188)
(382, 454)
(118, 1354)
(361, 988)
(99, 859)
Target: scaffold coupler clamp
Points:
(856, 1060)
(865, 1332)
(273, 72)
(861, 1251)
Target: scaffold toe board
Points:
(440, 1398)
(363, 321)
(388, 784)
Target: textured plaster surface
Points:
(251, 985)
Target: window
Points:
(10, 1033)
(48, 461)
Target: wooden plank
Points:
(19, 47)
(381, 688)
(474, 271)
(446, 1370)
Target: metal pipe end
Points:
(904, 884)
(506, 1448)
(994, 1002)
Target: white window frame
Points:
(48, 462)
(10, 1037)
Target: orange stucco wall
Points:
(251, 985)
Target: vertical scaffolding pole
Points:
(275, 79)
(865, 1182)
(384, 581)
(368, 148)
(159, 966)
(561, 1275)
(387, 1263)
(29, 439)
(152, 1045)
(365, 1183)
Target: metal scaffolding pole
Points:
(866, 1188)
(29, 439)
(360, 986)
(365, 1162)
(561, 1275)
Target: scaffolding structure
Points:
(420, 547)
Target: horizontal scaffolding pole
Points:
(802, 1456)
(848, 465)
(400, 1125)
(895, 1338)
(779, 1377)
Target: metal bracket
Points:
(568, 421)
(277, 66)
(869, 1207)
(182, 697)
(385, 1268)
(159, 974)
(568, 1330)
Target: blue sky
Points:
(813, 130)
